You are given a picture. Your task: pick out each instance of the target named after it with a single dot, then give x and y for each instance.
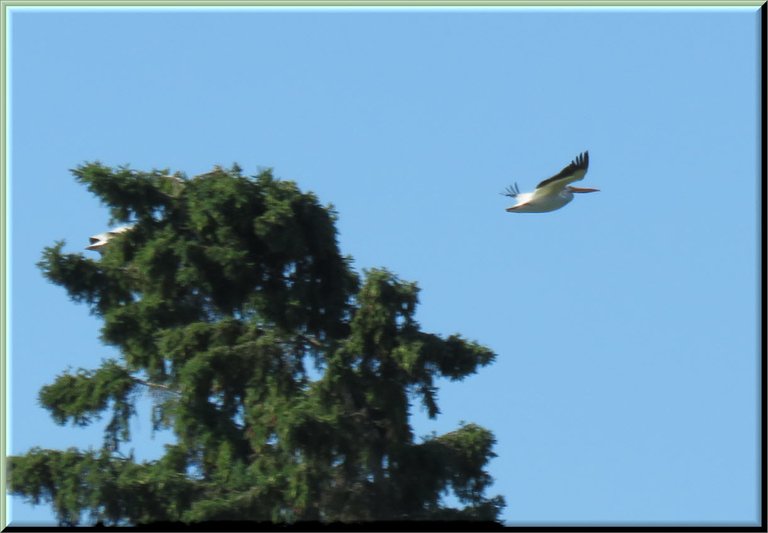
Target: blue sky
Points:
(626, 324)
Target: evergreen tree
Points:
(222, 292)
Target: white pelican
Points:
(552, 193)
(99, 241)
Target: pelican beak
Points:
(582, 189)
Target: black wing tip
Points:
(582, 160)
(512, 191)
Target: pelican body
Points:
(552, 193)
(98, 242)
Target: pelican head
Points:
(581, 189)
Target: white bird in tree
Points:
(552, 193)
(98, 242)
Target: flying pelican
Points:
(552, 193)
(98, 242)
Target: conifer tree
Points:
(219, 297)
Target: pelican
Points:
(552, 193)
(98, 242)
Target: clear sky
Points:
(626, 324)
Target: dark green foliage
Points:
(111, 489)
(222, 291)
(84, 395)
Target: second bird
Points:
(552, 193)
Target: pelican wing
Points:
(573, 172)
